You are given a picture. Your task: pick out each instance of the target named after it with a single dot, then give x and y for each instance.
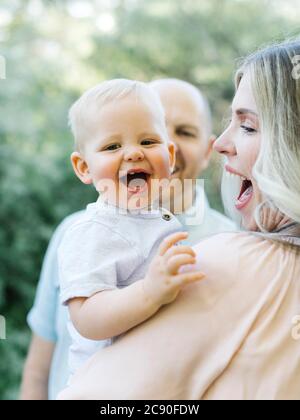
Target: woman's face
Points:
(240, 143)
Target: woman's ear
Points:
(172, 155)
(81, 168)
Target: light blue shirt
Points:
(48, 318)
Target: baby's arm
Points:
(110, 313)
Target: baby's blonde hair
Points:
(83, 113)
(276, 88)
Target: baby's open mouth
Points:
(136, 181)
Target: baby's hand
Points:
(163, 281)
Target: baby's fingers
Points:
(171, 240)
(177, 261)
(187, 278)
(180, 249)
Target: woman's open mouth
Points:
(246, 189)
(136, 181)
(246, 194)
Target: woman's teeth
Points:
(244, 189)
(235, 176)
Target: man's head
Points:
(189, 125)
(121, 140)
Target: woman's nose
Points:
(224, 144)
(134, 154)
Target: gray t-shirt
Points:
(105, 249)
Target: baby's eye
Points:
(148, 142)
(112, 147)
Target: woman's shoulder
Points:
(241, 269)
(231, 244)
(235, 255)
(244, 244)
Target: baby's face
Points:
(128, 149)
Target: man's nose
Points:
(133, 154)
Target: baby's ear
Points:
(81, 168)
(172, 155)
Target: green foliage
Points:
(52, 56)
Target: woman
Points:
(230, 336)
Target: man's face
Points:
(185, 118)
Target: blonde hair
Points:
(276, 90)
(84, 112)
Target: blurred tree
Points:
(56, 49)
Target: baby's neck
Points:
(148, 207)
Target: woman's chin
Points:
(248, 218)
(249, 223)
(248, 213)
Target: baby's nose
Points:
(134, 154)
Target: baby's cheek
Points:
(108, 169)
(106, 173)
(161, 163)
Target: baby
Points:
(121, 261)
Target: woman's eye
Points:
(248, 130)
(112, 147)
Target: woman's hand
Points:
(163, 281)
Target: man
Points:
(189, 126)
